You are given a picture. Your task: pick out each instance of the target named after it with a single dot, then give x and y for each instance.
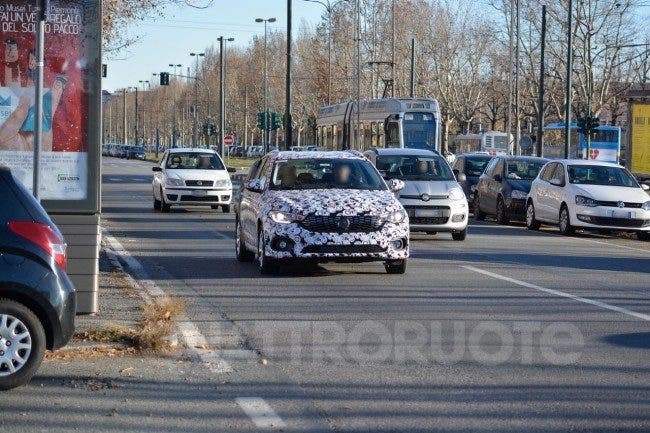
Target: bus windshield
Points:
(420, 131)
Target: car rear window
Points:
(22, 204)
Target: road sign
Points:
(525, 142)
(228, 140)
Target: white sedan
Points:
(588, 194)
(191, 177)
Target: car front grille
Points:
(615, 204)
(199, 183)
(619, 222)
(342, 249)
(193, 198)
(428, 220)
(341, 224)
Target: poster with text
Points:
(65, 101)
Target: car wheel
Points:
(395, 266)
(164, 207)
(265, 263)
(643, 236)
(502, 214)
(479, 215)
(565, 222)
(22, 344)
(243, 255)
(156, 203)
(225, 208)
(459, 236)
(531, 222)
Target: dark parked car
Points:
(472, 164)
(504, 185)
(136, 152)
(37, 300)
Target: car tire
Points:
(156, 203)
(531, 222)
(33, 356)
(479, 215)
(643, 236)
(264, 262)
(501, 212)
(395, 267)
(164, 207)
(242, 253)
(565, 222)
(459, 236)
(225, 208)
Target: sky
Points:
(171, 38)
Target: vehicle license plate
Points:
(428, 213)
(200, 193)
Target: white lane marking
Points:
(195, 341)
(616, 245)
(561, 294)
(259, 411)
(114, 179)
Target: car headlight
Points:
(581, 200)
(396, 217)
(517, 194)
(284, 217)
(456, 194)
(646, 206)
(222, 183)
(170, 181)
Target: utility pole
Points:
(38, 127)
(222, 119)
(511, 34)
(412, 86)
(246, 117)
(136, 115)
(540, 115)
(358, 123)
(392, 49)
(569, 77)
(516, 148)
(287, 110)
(124, 137)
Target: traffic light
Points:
(164, 78)
(261, 121)
(209, 129)
(276, 121)
(104, 70)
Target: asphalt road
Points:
(508, 331)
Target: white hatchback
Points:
(588, 194)
(191, 177)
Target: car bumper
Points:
(197, 197)
(611, 218)
(437, 215)
(389, 243)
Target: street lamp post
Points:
(144, 83)
(266, 82)
(222, 91)
(195, 135)
(569, 76)
(539, 142)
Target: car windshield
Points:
(414, 167)
(601, 175)
(325, 174)
(523, 170)
(419, 131)
(194, 161)
(474, 166)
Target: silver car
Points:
(432, 196)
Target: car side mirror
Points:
(395, 185)
(460, 177)
(156, 168)
(254, 185)
(645, 187)
(231, 169)
(498, 178)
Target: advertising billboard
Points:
(70, 145)
(640, 138)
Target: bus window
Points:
(420, 131)
(380, 130)
(339, 137)
(328, 140)
(375, 134)
(367, 136)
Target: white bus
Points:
(411, 123)
(492, 142)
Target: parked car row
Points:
(124, 151)
(570, 194)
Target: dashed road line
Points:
(189, 333)
(259, 411)
(561, 294)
